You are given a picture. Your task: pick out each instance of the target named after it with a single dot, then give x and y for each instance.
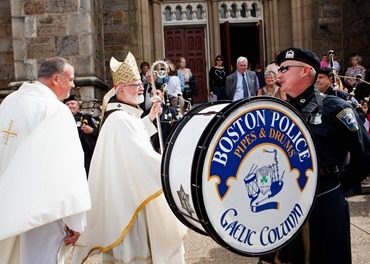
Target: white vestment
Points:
(42, 177)
(130, 220)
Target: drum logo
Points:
(259, 179)
(264, 183)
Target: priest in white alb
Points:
(130, 220)
(43, 189)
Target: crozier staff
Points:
(326, 237)
(126, 168)
(43, 187)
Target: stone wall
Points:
(356, 30)
(120, 33)
(327, 28)
(72, 29)
(6, 45)
(68, 28)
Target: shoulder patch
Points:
(347, 117)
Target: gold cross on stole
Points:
(9, 133)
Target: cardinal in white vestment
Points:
(130, 220)
(43, 188)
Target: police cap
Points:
(72, 97)
(327, 71)
(302, 55)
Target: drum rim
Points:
(198, 165)
(165, 164)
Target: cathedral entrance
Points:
(190, 44)
(242, 40)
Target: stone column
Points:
(215, 25)
(307, 22)
(145, 31)
(275, 28)
(271, 18)
(69, 28)
(157, 30)
(268, 21)
(297, 23)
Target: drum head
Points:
(177, 160)
(255, 176)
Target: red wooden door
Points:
(190, 44)
(225, 45)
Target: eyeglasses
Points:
(285, 68)
(136, 85)
(218, 60)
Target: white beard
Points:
(140, 99)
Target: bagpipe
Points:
(351, 98)
(91, 104)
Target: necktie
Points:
(245, 87)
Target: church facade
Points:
(90, 32)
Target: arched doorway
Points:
(190, 44)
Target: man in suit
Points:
(242, 83)
(147, 104)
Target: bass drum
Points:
(244, 173)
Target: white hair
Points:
(241, 59)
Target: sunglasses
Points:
(285, 68)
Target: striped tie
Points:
(245, 87)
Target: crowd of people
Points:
(120, 212)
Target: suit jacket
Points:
(146, 97)
(232, 80)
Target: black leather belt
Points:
(329, 170)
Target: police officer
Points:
(337, 131)
(325, 84)
(87, 130)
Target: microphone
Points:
(358, 76)
(330, 52)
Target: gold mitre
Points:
(126, 71)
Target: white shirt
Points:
(239, 91)
(174, 86)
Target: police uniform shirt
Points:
(340, 132)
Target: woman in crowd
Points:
(217, 77)
(174, 89)
(271, 89)
(353, 71)
(186, 73)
